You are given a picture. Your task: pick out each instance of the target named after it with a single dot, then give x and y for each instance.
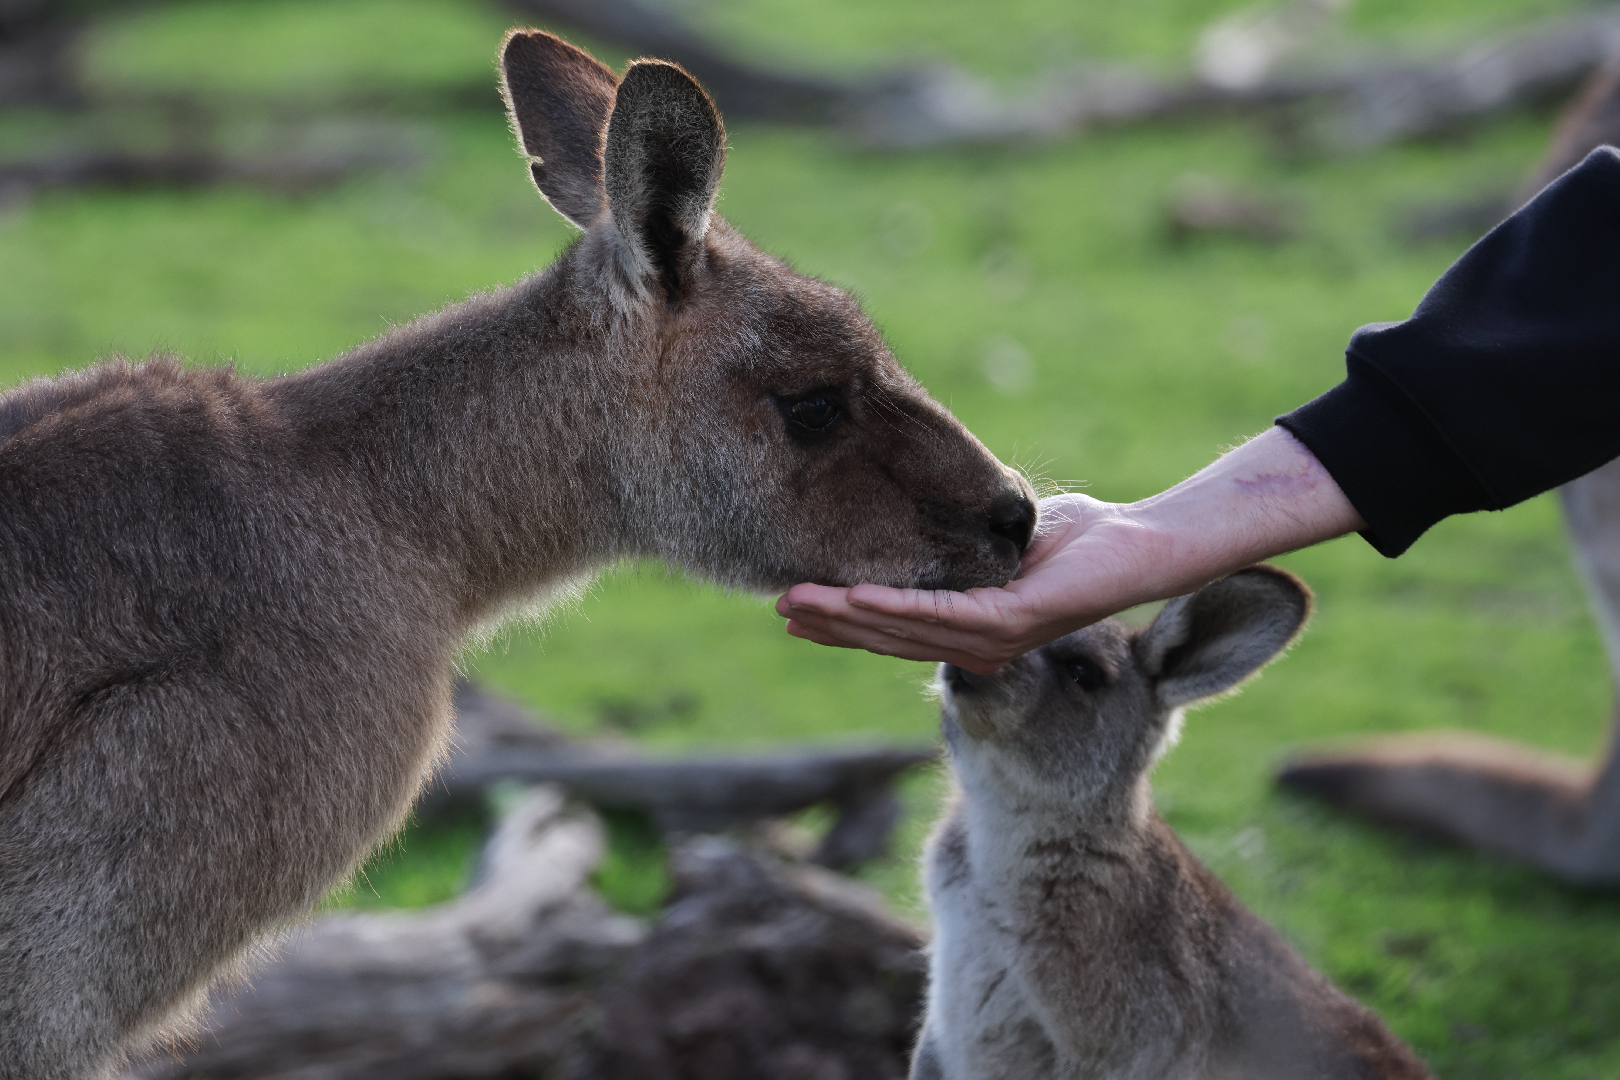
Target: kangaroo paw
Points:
(1494, 796)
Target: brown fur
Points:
(1504, 799)
(229, 607)
(1077, 938)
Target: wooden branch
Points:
(742, 90)
(293, 174)
(782, 970)
(1204, 206)
(1367, 101)
(1591, 120)
(38, 49)
(690, 794)
(490, 984)
(1389, 101)
(760, 969)
(35, 66)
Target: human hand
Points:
(1088, 560)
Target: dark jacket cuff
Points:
(1385, 457)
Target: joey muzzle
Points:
(960, 681)
(966, 702)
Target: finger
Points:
(913, 641)
(800, 630)
(837, 603)
(813, 597)
(900, 648)
(831, 620)
(845, 636)
(975, 611)
(991, 611)
(866, 624)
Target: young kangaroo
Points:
(229, 607)
(1075, 937)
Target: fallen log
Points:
(1591, 119)
(494, 982)
(758, 968)
(742, 90)
(1394, 100)
(497, 741)
(294, 174)
(1367, 100)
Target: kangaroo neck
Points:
(1009, 838)
(484, 438)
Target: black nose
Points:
(960, 682)
(1013, 518)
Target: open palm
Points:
(1088, 560)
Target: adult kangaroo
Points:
(229, 606)
(1499, 797)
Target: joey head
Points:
(1076, 938)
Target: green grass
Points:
(633, 876)
(255, 49)
(1147, 359)
(429, 862)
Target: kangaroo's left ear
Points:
(1210, 641)
(558, 97)
(662, 162)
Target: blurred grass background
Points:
(1136, 361)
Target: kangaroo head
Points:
(1084, 717)
(768, 435)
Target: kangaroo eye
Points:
(815, 411)
(1086, 675)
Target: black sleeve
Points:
(1504, 383)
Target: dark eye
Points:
(815, 411)
(1086, 674)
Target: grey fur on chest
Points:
(979, 1021)
(984, 1022)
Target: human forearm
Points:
(1266, 497)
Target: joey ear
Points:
(1210, 641)
(558, 98)
(664, 154)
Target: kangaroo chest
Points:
(999, 1007)
(980, 1020)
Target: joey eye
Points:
(1086, 674)
(815, 411)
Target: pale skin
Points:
(1092, 559)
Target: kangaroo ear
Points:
(1209, 642)
(665, 151)
(558, 98)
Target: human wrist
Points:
(1180, 552)
(1264, 498)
